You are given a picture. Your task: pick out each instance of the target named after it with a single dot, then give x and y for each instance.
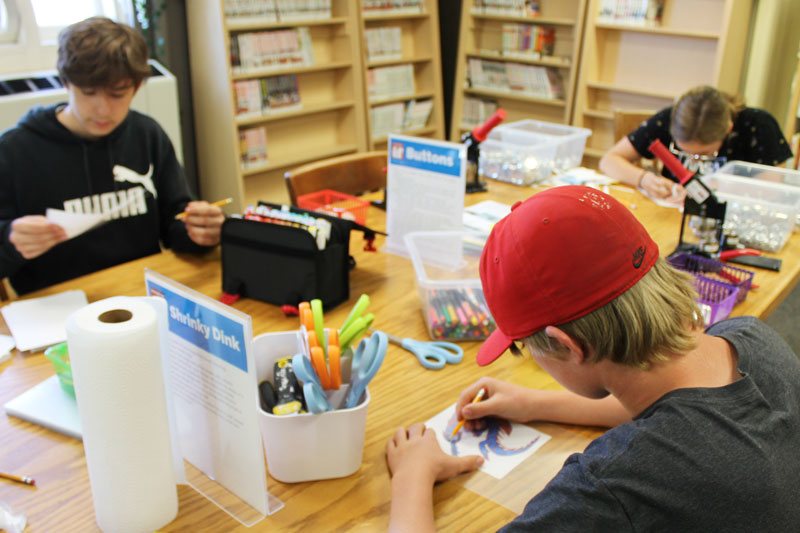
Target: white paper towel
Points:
(115, 351)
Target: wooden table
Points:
(402, 393)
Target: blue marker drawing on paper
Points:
(504, 444)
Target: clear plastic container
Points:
(762, 212)
(530, 151)
(449, 286)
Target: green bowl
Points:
(59, 356)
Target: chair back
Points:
(353, 174)
(627, 120)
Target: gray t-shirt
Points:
(700, 459)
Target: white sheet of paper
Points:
(74, 223)
(483, 216)
(503, 444)
(39, 322)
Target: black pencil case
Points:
(282, 264)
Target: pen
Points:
(218, 203)
(478, 397)
(20, 479)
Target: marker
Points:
(478, 397)
(218, 203)
(19, 479)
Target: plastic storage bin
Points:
(335, 203)
(305, 447)
(766, 173)
(714, 270)
(761, 212)
(446, 267)
(529, 151)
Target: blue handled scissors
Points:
(432, 355)
(316, 400)
(367, 359)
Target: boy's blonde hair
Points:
(654, 318)
(98, 52)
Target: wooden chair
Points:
(353, 174)
(627, 120)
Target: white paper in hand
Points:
(74, 223)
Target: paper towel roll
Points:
(115, 352)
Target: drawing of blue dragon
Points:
(495, 429)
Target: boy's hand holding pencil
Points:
(204, 221)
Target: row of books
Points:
(635, 12)
(399, 117)
(476, 111)
(384, 43)
(528, 40)
(276, 49)
(395, 6)
(260, 11)
(518, 8)
(390, 82)
(253, 147)
(531, 80)
(267, 95)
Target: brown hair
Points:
(98, 52)
(656, 317)
(703, 115)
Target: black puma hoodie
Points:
(131, 175)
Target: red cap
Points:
(558, 256)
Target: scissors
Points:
(316, 400)
(432, 355)
(356, 324)
(367, 359)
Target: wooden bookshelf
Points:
(330, 120)
(481, 38)
(419, 47)
(647, 67)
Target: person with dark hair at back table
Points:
(93, 154)
(705, 129)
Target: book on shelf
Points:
(530, 80)
(399, 117)
(281, 92)
(528, 40)
(632, 12)
(267, 95)
(253, 147)
(390, 82)
(250, 11)
(417, 114)
(271, 50)
(393, 6)
(517, 8)
(265, 11)
(384, 43)
(477, 111)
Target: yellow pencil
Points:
(478, 397)
(19, 479)
(218, 203)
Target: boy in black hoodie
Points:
(94, 155)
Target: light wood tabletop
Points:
(403, 392)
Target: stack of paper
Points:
(39, 322)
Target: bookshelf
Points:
(402, 70)
(627, 66)
(316, 57)
(497, 66)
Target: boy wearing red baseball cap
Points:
(705, 425)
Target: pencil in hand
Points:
(19, 479)
(218, 203)
(478, 397)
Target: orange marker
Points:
(478, 397)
